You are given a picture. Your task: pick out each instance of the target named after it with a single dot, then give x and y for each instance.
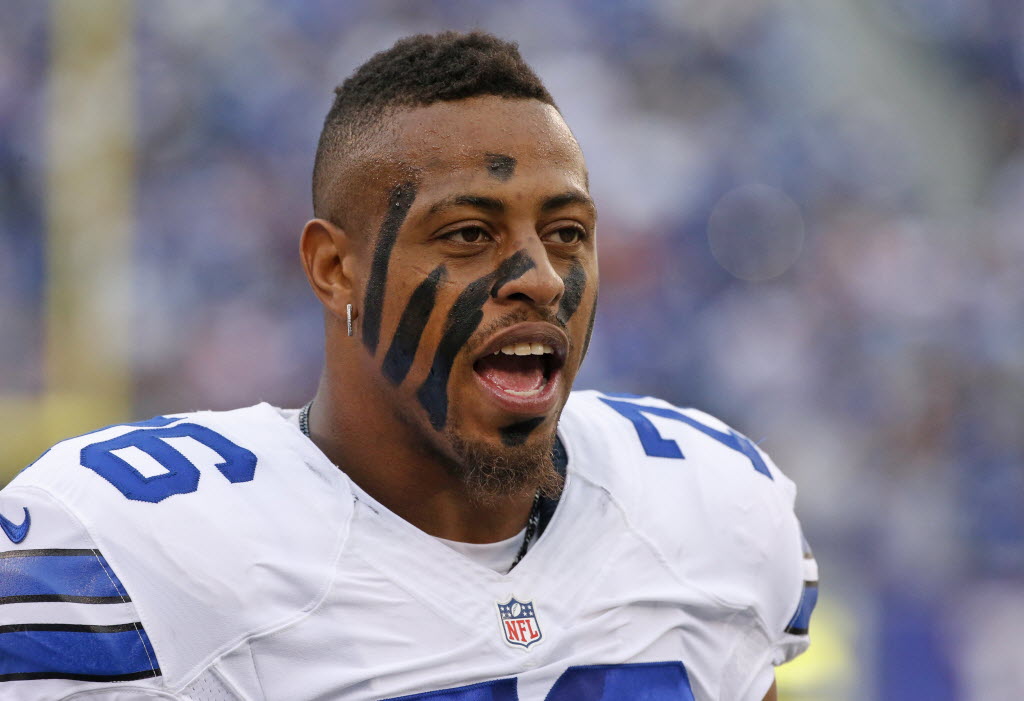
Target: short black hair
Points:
(418, 71)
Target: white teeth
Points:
(526, 349)
(527, 393)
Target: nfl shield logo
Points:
(519, 622)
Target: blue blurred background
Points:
(812, 225)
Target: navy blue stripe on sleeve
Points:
(85, 653)
(77, 576)
(801, 621)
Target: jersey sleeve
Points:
(790, 574)
(781, 574)
(795, 636)
(786, 587)
(67, 623)
(720, 513)
(140, 555)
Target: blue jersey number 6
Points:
(181, 476)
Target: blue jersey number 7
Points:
(656, 446)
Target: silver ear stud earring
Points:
(348, 315)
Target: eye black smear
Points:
(463, 319)
(590, 329)
(518, 265)
(501, 166)
(575, 283)
(516, 434)
(410, 327)
(399, 202)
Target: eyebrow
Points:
(488, 204)
(567, 198)
(494, 205)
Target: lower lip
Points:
(533, 405)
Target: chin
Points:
(505, 463)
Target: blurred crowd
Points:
(812, 225)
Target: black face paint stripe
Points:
(575, 282)
(410, 328)
(501, 166)
(515, 267)
(463, 319)
(399, 202)
(590, 330)
(516, 434)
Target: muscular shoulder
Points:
(711, 502)
(646, 450)
(215, 525)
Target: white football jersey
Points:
(220, 555)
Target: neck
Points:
(388, 458)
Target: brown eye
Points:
(470, 234)
(566, 235)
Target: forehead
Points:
(479, 135)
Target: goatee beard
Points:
(491, 473)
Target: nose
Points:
(540, 283)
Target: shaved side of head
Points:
(417, 71)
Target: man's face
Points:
(477, 282)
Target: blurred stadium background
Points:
(812, 225)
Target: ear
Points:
(327, 256)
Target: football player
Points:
(444, 520)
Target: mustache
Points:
(512, 318)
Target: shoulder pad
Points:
(67, 622)
(220, 524)
(715, 506)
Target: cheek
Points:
(399, 202)
(431, 316)
(463, 317)
(590, 324)
(579, 307)
(575, 282)
(410, 332)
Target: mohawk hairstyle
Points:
(419, 71)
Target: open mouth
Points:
(520, 367)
